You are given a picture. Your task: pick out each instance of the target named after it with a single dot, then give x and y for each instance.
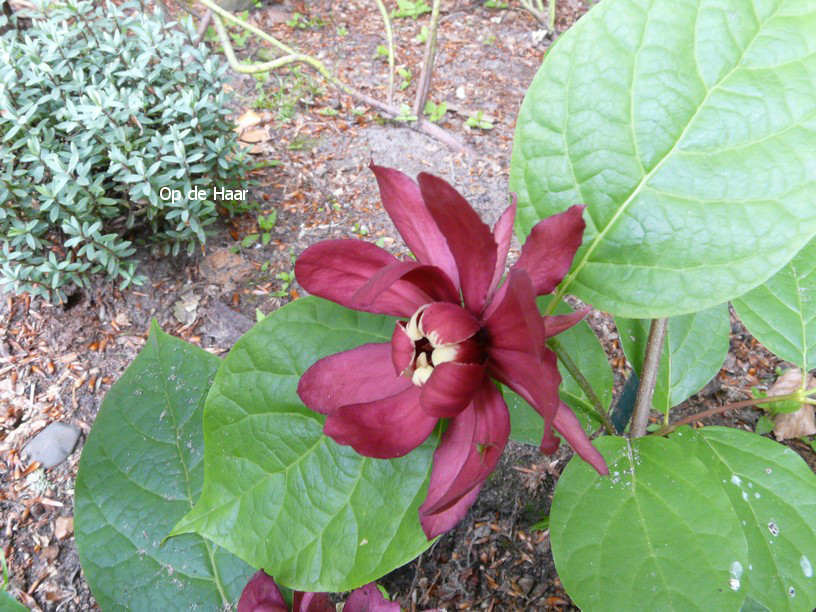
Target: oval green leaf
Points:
(140, 472)
(781, 313)
(687, 128)
(280, 494)
(659, 533)
(773, 493)
(695, 348)
(585, 350)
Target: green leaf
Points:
(781, 313)
(140, 471)
(687, 130)
(693, 353)
(280, 494)
(10, 604)
(584, 348)
(773, 493)
(764, 425)
(658, 533)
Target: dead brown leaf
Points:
(793, 424)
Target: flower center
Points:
(430, 350)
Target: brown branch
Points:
(720, 409)
(202, 28)
(424, 85)
(434, 131)
(648, 378)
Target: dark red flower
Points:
(261, 594)
(462, 328)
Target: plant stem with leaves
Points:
(796, 397)
(586, 387)
(389, 33)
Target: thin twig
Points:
(539, 15)
(720, 409)
(184, 7)
(202, 28)
(229, 52)
(293, 56)
(389, 33)
(564, 358)
(424, 85)
(551, 17)
(648, 378)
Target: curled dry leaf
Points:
(793, 424)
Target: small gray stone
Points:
(53, 444)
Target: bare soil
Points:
(57, 362)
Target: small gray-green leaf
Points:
(687, 129)
(658, 533)
(280, 494)
(773, 493)
(781, 313)
(140, 472)
(693, 353)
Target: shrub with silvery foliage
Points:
(100, 108)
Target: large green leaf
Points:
(280, 494)
(773, 493)
(707, 520)
(781, 313)
(582, 346)
(687, 127)
(140, 471)
(659, 533)
(693, 353)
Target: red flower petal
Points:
(450, 388)
(469, 451)
(443, 323)
(537, 383)
(360, 375)
(471, 242)
(402, 349)
(550, 248)
(515, 325)
(369, 599)
(403, 202)
(445, 520)
(311, 602)
(385, 428)
(261, 594)
(568, 425)
(336, 269)
(554, 325)
(428, 279)
(502, 233)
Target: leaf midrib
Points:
(210, 553)
(567, 282)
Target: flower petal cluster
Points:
(461, 328)
(261, 594)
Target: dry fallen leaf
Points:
(247, 120)
(63, 527)
(258, 134)
(793, 424)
